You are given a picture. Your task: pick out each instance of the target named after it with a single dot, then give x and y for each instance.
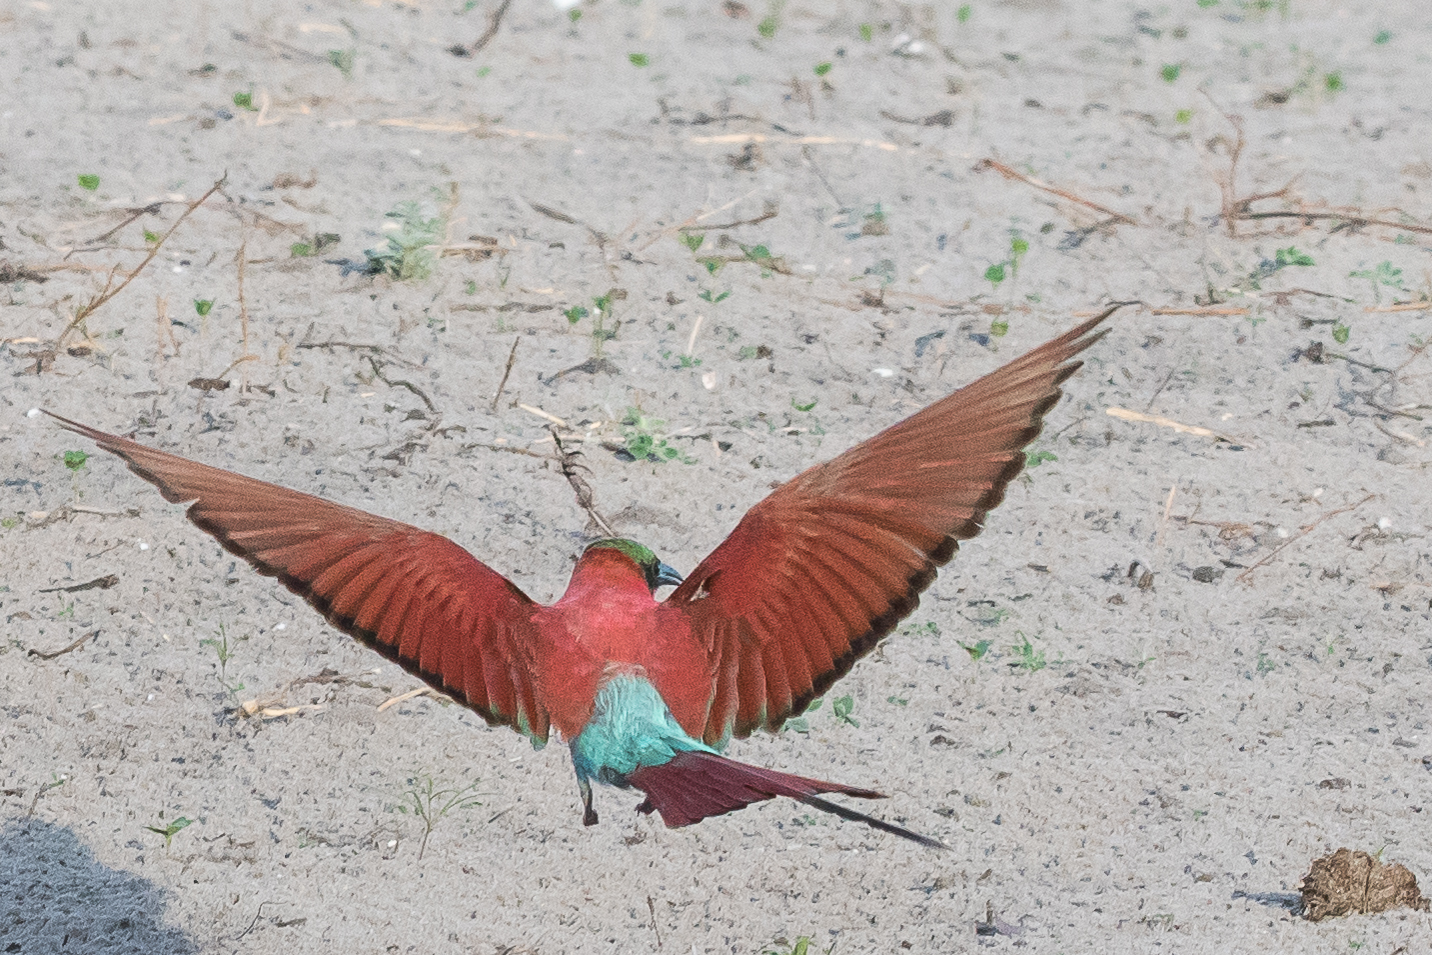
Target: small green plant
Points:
(772, 21)
(644, 440)
(1009, 268)
(408, 255)
(245, 101)
(575, 314)
(1170, 72)
(867, 32)
(801, 946)
(224, 653)
(710, 295)
(841, 708)
(1265, 664)
(1334, 81)
(898, 700)
(1384, 275)
(978, 650)
(639, 59)
(1291, 256)
(574, 14)
(998, 327)
(1383, 36)
(343, 59)
(1033, 458)
(692, 240)
(1341, 333)
(203, 306)
(150, 237)
(822, 68)
(74, 460)
(995, 274)
(170, 830)
(804, 407)
(1030, 659)
(963, 14)
(88, 181)
(1183, 116)
(429, 803)
(67, 613)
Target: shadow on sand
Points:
(55, 897)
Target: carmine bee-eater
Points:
(647, 694)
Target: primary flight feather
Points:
(648, 693)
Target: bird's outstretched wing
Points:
(819, 571)
(415, 596)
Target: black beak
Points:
(666, 575)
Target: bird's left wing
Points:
(413, 595)
(828, 563)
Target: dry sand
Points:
(1154, 773)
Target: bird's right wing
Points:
(414, 596)
(828, 563)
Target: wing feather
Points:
(422, 600)
(826, 565)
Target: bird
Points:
(647, 694)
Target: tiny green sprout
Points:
(693, 240)
(898, 700)
(343, 59)
(1030, 659)
(244, 100)
(767, 27)
(999, 328)
(867, 32)
(300, 250)
(469, 287)
(995, 274)
(977, 650)
(822, 68)
(574, 15)
(1183, 116)
(575, 314)
(203, 305)
(430, 803)
(74, 460)
(89, 181)
(1170, 72)
(842, 707)
(1265, 664)
(1033, 459)
(9, 522)
(1205, 4)
(756, 253)
(963, 14)
(713, 265)
(1334, 82)
(639, 59)
(706, 295)
(689, 361)
(150, 237)
(68, 613)
(469, 6)
(1341, 333)
(1382, 37)
(483, 71)
(169, 831)
(1018, 248)
(1291, 256)
(804, 407)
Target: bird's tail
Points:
(694, 785)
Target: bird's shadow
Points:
(56, 897)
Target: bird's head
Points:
(656, 573)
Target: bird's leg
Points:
(589, 815)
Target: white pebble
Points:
(143, 546)
(882, 372)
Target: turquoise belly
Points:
(630, 727)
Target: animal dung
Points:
(1349, 882)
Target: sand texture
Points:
(1190, 654)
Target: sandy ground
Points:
(1125, 768)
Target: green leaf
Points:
(639, 59)
(995, 273)
(767, 27)
(74, 460)
(1291, 256)
(807, 407)
(300, 250)
(963, 14)
(1033, 459)
(867, 32)
(343, 59)
(1341, 333)
(151, 237)
(203, 306)
(1019, 246)
(841, 708)
(977, 650)
(1183, 116)
(822, 68)
(998, 328)
(244, 100)
(576, 313)
(1334, 81)
(693, 240)
(1170, 72)
(574, 15)
(89, 181)
(1382, 37)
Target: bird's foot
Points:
(589, 815)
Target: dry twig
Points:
(1010, 173)
(1303, 531)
